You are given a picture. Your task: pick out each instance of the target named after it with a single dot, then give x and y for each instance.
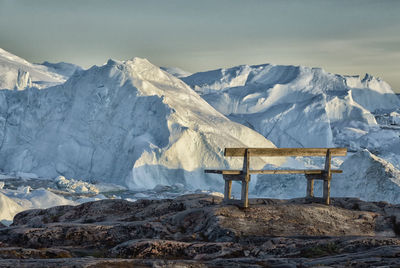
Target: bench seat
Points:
(277, 171)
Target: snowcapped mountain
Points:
(17, 73)
(123, 122)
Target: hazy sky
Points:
(341, 36)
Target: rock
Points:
(197, 230)
(166, 249)
(25, 253)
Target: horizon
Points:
(343, 37)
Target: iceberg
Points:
(126, 122)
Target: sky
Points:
(342, 36)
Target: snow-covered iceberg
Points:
(23, 198)
(128, 123)
(368, 177)
(296, 106)
(17, 73)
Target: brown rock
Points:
(273, 233)
(28, 253)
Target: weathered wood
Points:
(228, 189)
(246, 181)
(246, 162)
(245, 193)
(246, 165)
(294, 171)
(310, 187)
(276, 171)
(224, 171)
(239, 152)
(328, 171)
(328, 176)
(327, 192)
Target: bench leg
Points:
(310, 188)
(245, 192)
(327, 177)
(327, 190)
(228, 190)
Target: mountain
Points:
(17, 73)
(124, 122)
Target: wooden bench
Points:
(311, 174)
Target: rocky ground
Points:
(199, 231)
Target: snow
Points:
(395, 118)
(14, 201)
(177, 72)
(365, 176)
(17, 73)
(127, 123)
(213, 81)
(285, 102)
(91, 199)
(8, 208)
(368, 177)
(75, 186)
(82, 187)
(64, 69)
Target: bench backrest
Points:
(240, 152)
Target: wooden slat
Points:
(239, 152)
(224, 171)
(278, 171)
(294, 171)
